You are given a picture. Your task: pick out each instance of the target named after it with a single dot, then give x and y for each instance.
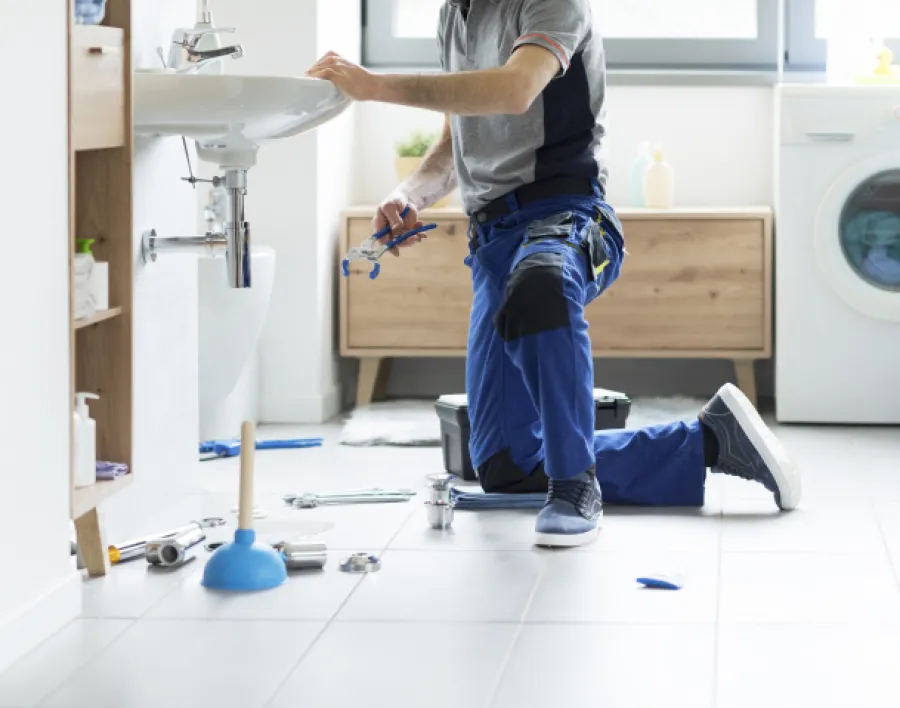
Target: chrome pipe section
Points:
(237, 231)
(207, 245)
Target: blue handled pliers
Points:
(372, 249)
(214, 449)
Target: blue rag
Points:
(465, 501)
(108, 471)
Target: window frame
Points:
(785, 43)
(804, 52)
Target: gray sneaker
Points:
(748, 449)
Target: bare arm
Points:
(509, 89)
(434, 179)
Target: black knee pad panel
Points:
(534, 300)
(500, 474)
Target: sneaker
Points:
(571, 516)
(748, 449)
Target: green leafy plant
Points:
(417, 145)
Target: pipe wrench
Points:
(372, 249)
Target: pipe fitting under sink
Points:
(233, 240)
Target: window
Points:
(810, 22)
(639, 33)
(708, 35)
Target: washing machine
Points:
(837, 254)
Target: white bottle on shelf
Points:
(85, 442)
(659, 184)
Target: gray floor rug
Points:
(409, 423)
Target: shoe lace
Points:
(567, 490)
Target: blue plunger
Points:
(245, 565)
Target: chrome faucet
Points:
(185, 58)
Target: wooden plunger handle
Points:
(245, 502)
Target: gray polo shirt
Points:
(561, 134)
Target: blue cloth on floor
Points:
(530, 369)
(467, 501)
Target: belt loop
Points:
(511, 201)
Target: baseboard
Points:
(40, 620)
(301, 409)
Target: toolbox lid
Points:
(459, 401)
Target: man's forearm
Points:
(434, 179)
(490, 92)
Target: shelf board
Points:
(97, 318)
(87, 498)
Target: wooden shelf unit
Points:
(100, 208)
(97, 318)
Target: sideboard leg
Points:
(746, 377)
(373, 379)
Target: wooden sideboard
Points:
(697, 283)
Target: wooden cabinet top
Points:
(720, 212)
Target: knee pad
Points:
(500, 474)
(534, 301)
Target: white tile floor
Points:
(778, 610)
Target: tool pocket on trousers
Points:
(558, 227)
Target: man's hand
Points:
(388, 214)
(353, 80)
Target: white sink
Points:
(230, 116)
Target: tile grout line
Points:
(514, 641)
(717, 627)
(330, 621)
(311, 646)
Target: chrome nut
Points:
(440, 516)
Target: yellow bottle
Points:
(659, 183)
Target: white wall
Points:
(165, 306)
(295, 195)
(718, 138)
(34, 357)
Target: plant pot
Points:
(406, 166)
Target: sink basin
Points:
(230, 116)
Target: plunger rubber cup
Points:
(244, 565)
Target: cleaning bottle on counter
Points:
(85, 434)
(98, 281)
(639, 173)
(659, 183)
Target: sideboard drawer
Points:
(686, 285)
(422, 299)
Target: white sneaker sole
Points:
(785, 473)
(561, 540)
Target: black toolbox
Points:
(611, 410)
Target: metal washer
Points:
(361, 563)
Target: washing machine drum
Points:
(857, 238)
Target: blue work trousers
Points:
(530, 371)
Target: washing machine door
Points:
(857, 236)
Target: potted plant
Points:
(409, 156)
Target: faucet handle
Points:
(190, 37)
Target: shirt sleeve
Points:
(559, 26)
(442, 32)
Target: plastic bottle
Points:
(638, 173)
(98, 284)
(659, 183)
(85, 442)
